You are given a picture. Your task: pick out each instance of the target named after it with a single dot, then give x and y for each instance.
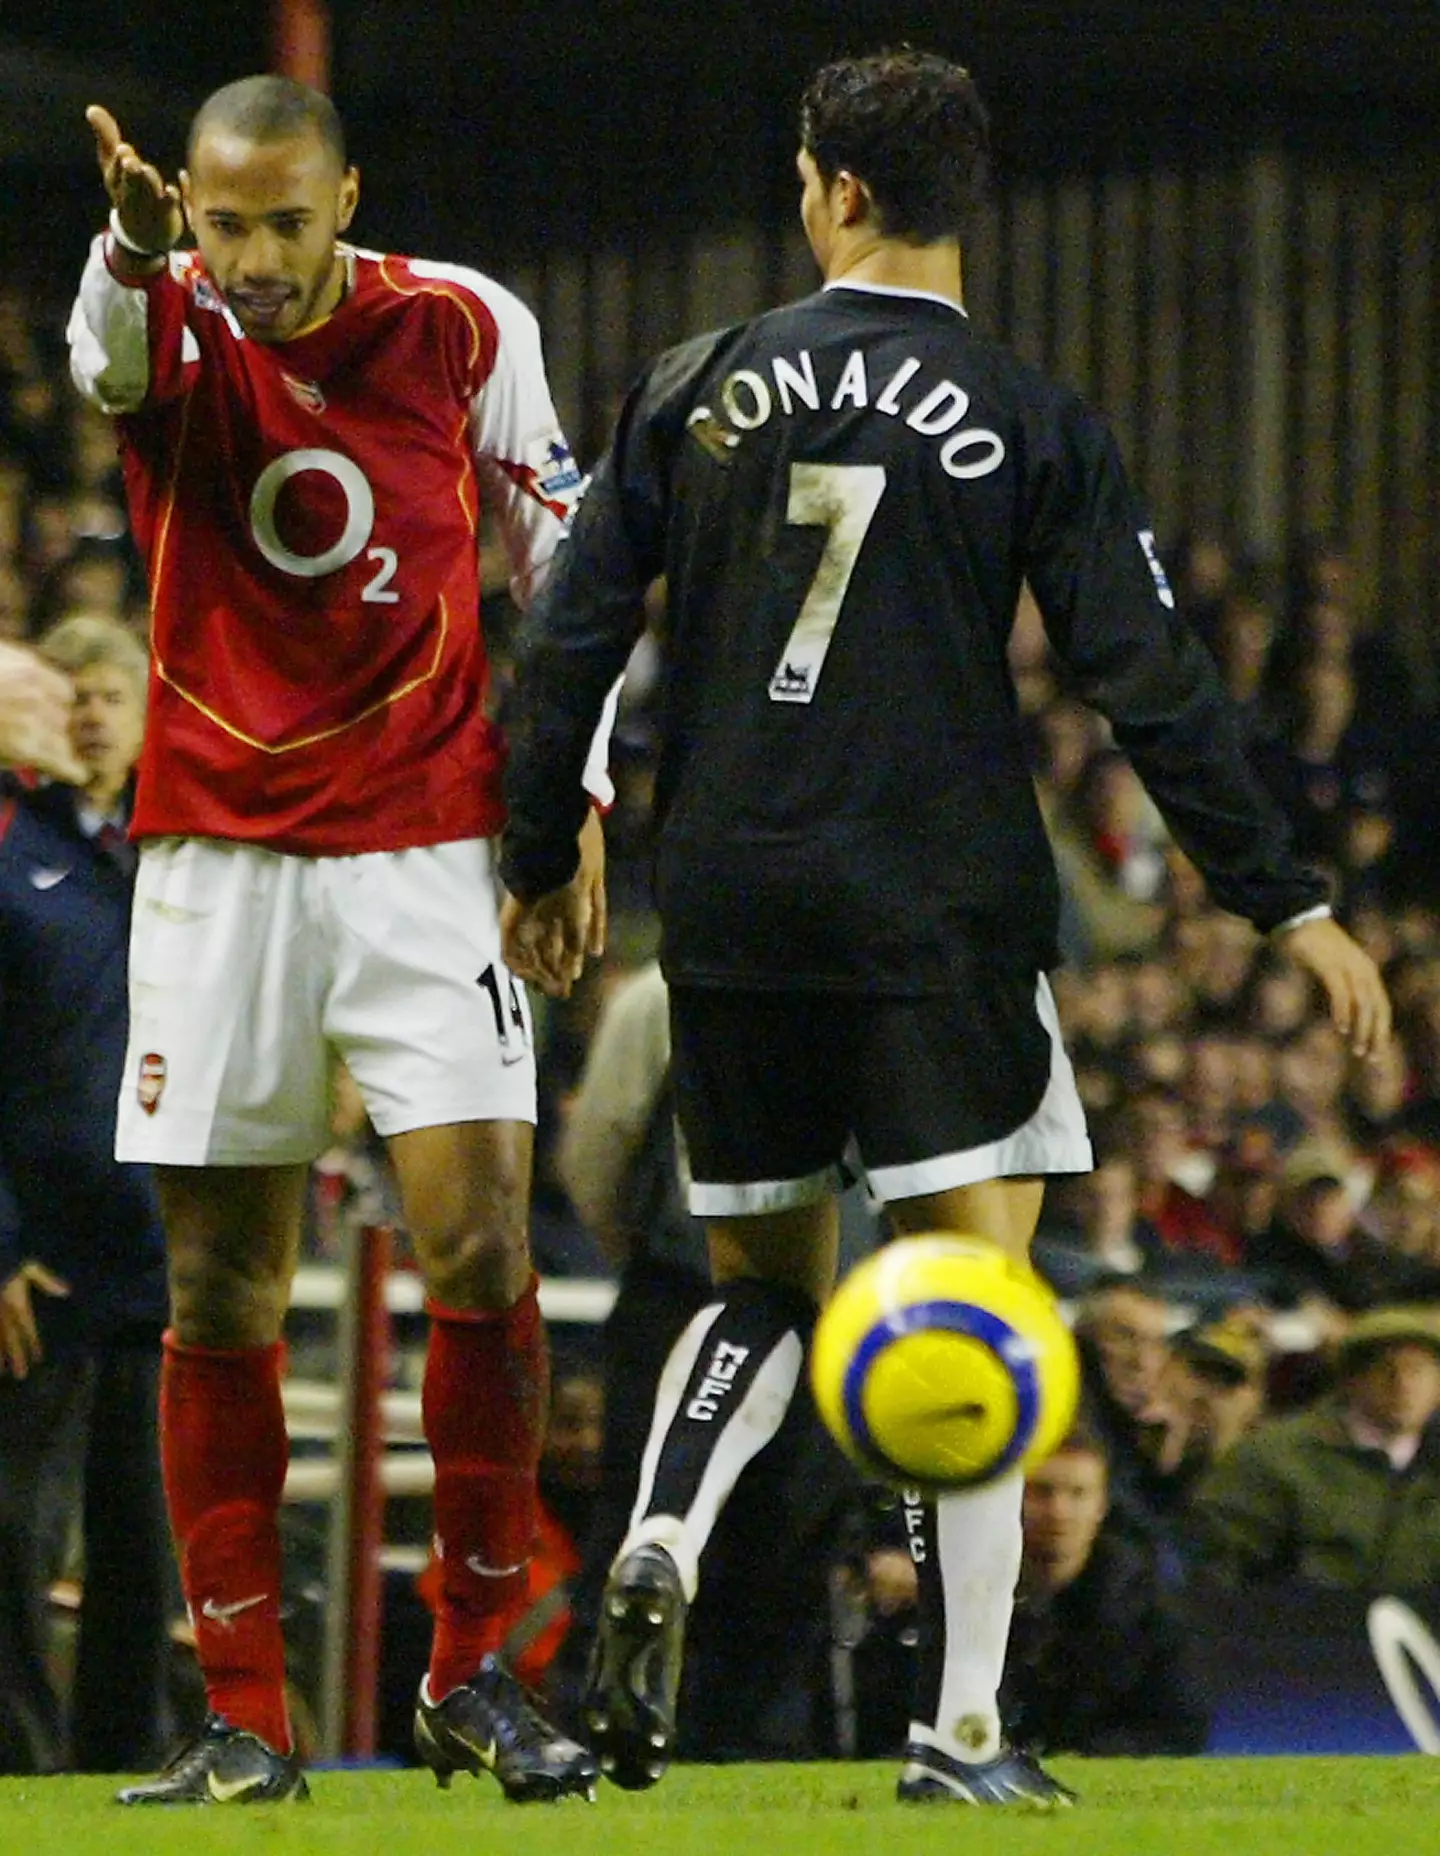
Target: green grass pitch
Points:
(1203, 1807)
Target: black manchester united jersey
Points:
(844, 496)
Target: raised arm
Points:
(127, 334)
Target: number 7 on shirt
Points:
(841, 499)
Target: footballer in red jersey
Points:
(309, 432)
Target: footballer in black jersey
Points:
(858, 899)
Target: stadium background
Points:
(1221, 224)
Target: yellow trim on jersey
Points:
(163, 537)
(322, 734)
(438, 286)
(469, 506)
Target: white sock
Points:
(978, 1548)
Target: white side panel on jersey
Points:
(525, 465)
(523, 458)
(109, 336)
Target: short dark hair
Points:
(269, 109)
(1082, 1439)
(912, 127)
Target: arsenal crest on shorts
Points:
(152, 1081)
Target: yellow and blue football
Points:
(940, 1364)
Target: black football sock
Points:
(721, 1399)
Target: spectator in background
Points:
(82, 1265)
(1217, 1372)
(35, 705)
(1317, 1255)
(1323, 623)
(1333, 763)
(1099, 1661)
(1106, 1237)
(1221, 955)
(94, 576)
(1122, 1330)
(1204, 571)
(1244, 1193)
(1209, 1088)
(1277, 999)
(1404, 1208)
(1108, 843)
(1347, 1493)
(1174, 1174)
(1244, 632)
(1310, 1070)
(14, 602)
(1157, 997)
(1376, 1094)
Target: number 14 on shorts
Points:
(512, 1021)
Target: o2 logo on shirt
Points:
(359, 522)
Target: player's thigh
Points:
(232, 1235)
(968, 1102)
(760, 1092)
(225, 1063)
(1006, 1211)
(430, 1022)
(796, 1247)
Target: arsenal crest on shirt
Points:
(151, 1082)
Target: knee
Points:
(471, 1239)
(220, 1301)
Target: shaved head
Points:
(269, 109)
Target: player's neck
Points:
(896, 266)
(337, 288)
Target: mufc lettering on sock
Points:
(484, 1404)
(741, 1354)
(224, 1451)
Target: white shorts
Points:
(248, 968)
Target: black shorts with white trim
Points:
(934, 1092)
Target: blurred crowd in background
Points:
(1254, 1259)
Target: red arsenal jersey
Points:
(307, 513)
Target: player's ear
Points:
(185, 198)
(349, 197)
(852, 197)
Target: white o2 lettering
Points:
(375, 589)
(359, 521)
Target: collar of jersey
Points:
(923, 296)
(348, 253)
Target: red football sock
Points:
(225, 1451)
(484, 1402)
